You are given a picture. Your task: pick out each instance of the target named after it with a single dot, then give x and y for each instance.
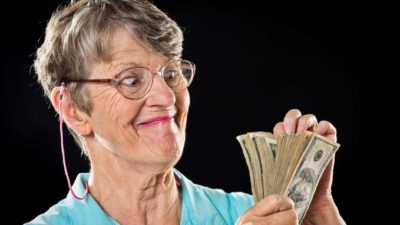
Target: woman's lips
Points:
(156, 120)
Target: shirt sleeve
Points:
(56, 215)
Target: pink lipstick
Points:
(156, 120)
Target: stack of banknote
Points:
(290, 165)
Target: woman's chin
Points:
(166, 149)
(164, 141)
(169, 146)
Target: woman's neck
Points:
(135, 197)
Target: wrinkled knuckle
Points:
(275, 199)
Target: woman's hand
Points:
(273, 209)
(322, 209)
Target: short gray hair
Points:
(78, 35)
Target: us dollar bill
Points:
(314, 160)
(292, 165)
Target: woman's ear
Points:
(73, 117)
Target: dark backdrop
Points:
(253, 64)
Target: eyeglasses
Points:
(136, 82)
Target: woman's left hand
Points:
(322, 205)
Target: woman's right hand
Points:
(273, 209)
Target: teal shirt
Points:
(200, 206)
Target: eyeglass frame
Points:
(117, 80)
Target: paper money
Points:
(291, 165)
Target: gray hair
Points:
(78, 35)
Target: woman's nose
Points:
(160, 93)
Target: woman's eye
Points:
(131, 81)
(170, 75)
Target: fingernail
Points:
(248, 223)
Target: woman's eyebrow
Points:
(127, 65)
(120, 67)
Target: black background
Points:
(253, 62)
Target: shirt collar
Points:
(85, 211)
(88, 211)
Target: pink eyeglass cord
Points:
(62, 149)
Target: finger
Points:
(279, 130)
(326, 129)
(272, 204)
(290, 120)
(288, 217)
(306, 122)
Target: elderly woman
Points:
(113, 71)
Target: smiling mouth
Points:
(156, 120)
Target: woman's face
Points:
(147, 131)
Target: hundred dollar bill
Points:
(316, 157)
(291, 165)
